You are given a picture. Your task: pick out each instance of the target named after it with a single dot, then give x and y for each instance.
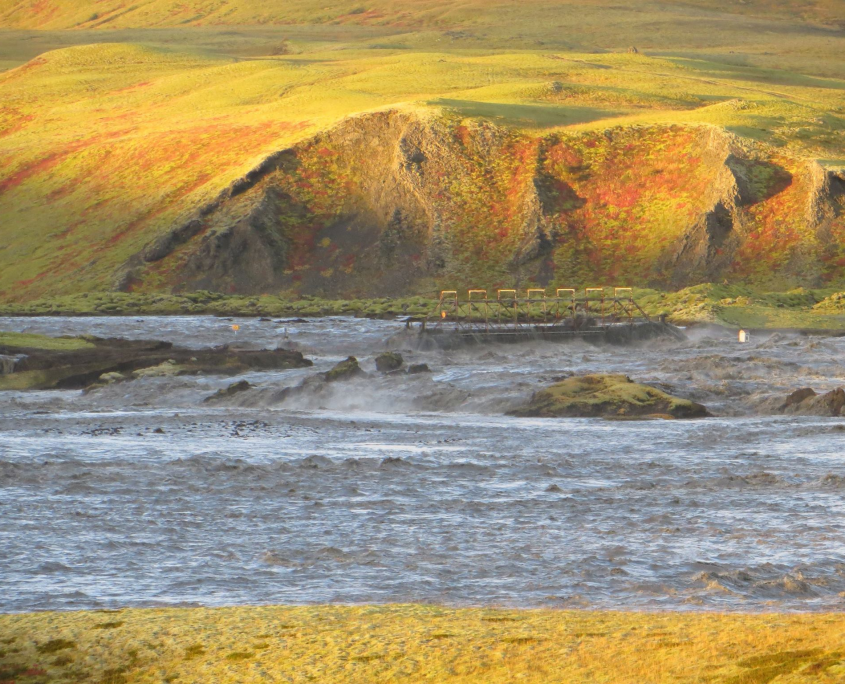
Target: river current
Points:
(418, 488)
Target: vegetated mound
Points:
(397, 201)
(606, 396)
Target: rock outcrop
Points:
(806, 402)
(607, 396)
(107, 361)
(344, 370)
(228, 392)
(391, 201)
(389, 361)
(322, 383)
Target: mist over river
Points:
(409, 488)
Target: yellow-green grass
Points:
(33, 341)
(738, 306)
(411, 643)
(104, 146)
(415, 14)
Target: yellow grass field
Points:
(411, 643)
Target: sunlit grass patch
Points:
(23, 340)
(410, 643)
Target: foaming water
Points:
(417, 488)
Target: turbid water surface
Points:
(418, 488)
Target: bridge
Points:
(607, 314)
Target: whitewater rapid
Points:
(418, 488)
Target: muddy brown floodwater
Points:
(418, 488)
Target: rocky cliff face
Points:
(395, 202)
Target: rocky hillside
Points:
(398, 202)
(343, 149)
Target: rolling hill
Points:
(387, 148)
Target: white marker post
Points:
(743, 336)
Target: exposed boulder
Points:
(230, 391)
(607, 396)
(806, 402)
(417, 368)
(389, 361)
(798, 396)
(345, 370)
(321, 383)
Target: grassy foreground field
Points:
(337, 644)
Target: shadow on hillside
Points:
(525, 115)
(765, 180)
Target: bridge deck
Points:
(537, 316)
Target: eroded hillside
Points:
(379, 168)
(396, 202)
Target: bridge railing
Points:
(483, 309)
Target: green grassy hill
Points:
(369, 148)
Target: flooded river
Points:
(419, 488)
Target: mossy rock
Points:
(607, 396)
(230, 391)
(389, 361)
(345, 370)
(166, 369)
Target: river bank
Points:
(416, 643)
(731, 306)
(31, 361)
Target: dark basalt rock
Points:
(230, 391)
(389, 361)
(78, 369)
(806, 402)
(347, 369)
(799, 396)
